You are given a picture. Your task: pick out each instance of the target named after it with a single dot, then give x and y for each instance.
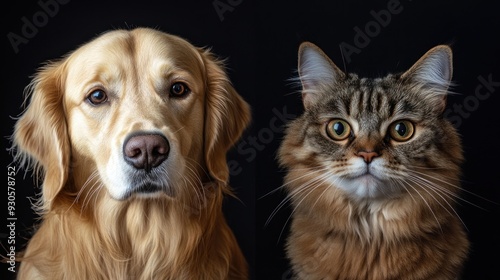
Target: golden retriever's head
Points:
(140, 113)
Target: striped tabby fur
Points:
(373, 173)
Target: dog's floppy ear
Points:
(40, 136)
(226, 117)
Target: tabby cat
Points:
(373, 173)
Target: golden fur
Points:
(95, 228)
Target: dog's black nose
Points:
(146, 151)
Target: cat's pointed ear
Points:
(316, 72)
(433, 71)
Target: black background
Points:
(260, 40)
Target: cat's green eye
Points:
(338, 129)
(401, 130)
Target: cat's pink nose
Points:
(367, 156)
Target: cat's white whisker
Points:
(308, 190)
(298, 178)
(428, 185)
(457, 187)
(295, 192)
(401, 182)
(440, 191)
(424, 200)
(451, 193)
(332, 184)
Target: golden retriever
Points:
(129, 133)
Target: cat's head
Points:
(373, 138)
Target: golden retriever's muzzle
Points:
(146, 152)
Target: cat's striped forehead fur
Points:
(370, 101)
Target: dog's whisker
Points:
(195, 182)
(96, 187)
(181, 128)
(193, 163)
(192, 171)
(85, 185)
(190, 183)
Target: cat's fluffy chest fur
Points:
(373, 173)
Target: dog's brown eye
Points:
(97, 97)
(179, 89)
